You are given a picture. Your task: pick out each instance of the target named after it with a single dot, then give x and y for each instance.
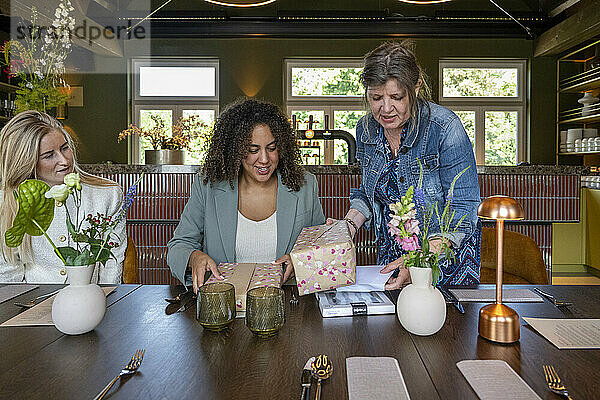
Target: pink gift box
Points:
(324, 257)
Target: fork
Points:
(33, 302)
(294, 299)
(131, 368)
(556, 303)
(553, 381)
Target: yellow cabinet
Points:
(576, 246)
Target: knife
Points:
(180, 305)
(306, 376)
(450, 298)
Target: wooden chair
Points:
(523, 261)
(130, 265)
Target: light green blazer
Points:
(209, 221)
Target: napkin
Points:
(11, 291)
(375, 378)
(489, 295)
(495, 380)
(368, 279)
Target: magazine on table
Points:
(339, 304)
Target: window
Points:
(489, 98)
(167, 89)
(326, 90)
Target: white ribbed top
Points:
(256, 241)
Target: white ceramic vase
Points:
(587, 100)
(421, 308)
(80, 306)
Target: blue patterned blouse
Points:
(388, 250)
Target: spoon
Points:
(322, 368)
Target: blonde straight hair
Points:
(19, 152)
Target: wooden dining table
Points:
(184, 361)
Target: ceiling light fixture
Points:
(241, 3)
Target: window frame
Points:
(480, 105)
(290, 63)
(137, 63)
(174, 103)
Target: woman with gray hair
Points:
(34, 145)
(403, 134)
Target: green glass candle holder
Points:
(265, 312)
(216, 306)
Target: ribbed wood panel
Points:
(161, 198)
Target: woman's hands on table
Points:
(286, 261)
(403, 277)
(200, 263)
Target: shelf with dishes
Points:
(577, 92)
(586, 114)
(586, 81)
(578, 153)
(579, 141)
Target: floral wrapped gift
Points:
(246, 276)
(324, 257)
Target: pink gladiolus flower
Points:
(410, 243)
(412, 226)
(394, 230)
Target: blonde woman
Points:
(33, 145)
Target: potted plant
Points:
(168, 147)
(37, 61)
(421, 307)
(80, 306)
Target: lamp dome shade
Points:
(500, 207)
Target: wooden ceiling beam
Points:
(581, 26)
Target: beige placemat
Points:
(41, 314)
(11, 291)
(566, 333)
(375, 378)
(489, 295)
(495, 380)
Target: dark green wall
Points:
(255, 67)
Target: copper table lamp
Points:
(498, 322)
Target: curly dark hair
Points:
(232, 135)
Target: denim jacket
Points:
(439, 141)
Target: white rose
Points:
(72, 180)
(58, 193)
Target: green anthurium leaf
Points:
(14, 236)
(35, 213)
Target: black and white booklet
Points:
(341, 304)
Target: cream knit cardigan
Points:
(47, 267)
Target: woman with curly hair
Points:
(252, 198)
